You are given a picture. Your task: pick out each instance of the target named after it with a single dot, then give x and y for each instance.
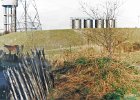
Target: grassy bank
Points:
(57, 39)
(91, 76)
(52, 39)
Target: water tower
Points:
(10, 15)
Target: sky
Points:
(55, 14)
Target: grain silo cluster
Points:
(78, 23)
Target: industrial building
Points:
(78, 23)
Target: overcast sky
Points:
(55, 14)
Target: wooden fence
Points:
(32, 78)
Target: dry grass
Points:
(55, 39)
(51, 39)
(94, 76)
(87, 81)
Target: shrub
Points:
(134, 91)
(101, 62)
(112, 96)
(104, 74)
(86, 91)
(81, 61)
(120, 91)
(116, 95)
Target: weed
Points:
(134, 91)
(136, 72)
(116, 72)
(116, 95)
(120, 91)
(101, 62)
(132, 67)
(112, 96)
(85, 91)
(67, 63)
(104, 74)
(81, 61)
(130, 98)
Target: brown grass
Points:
(90, 81)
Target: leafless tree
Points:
(105, 10)
(108, 37)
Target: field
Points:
(95, 75)
(55, 38)
(52, 39)
(57, 41)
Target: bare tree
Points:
(106, 10)
(107, 37)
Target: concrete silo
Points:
(10, 15)
(88, 23)
(73, 23)
(76, 23)
(110, 23)
(99, 23)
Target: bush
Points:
(134, 91)
(104, 74)
(112, 96)
(116, 95)
(120, 91)
(81, 61)
(101, 62)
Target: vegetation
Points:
(93, 74)
(106, 37)
(52, 39)
(96, 77)
(56, 39)
(107, 69)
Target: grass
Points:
(96, 77)
(57, 39)
(133, 34)
(51, 39)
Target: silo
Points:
(110, 23)
(99, 23)
(85, 23)
(91, 23)
(114, 23)
(88, 23)
(73, 23)
(10, 15)
(78, 24)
